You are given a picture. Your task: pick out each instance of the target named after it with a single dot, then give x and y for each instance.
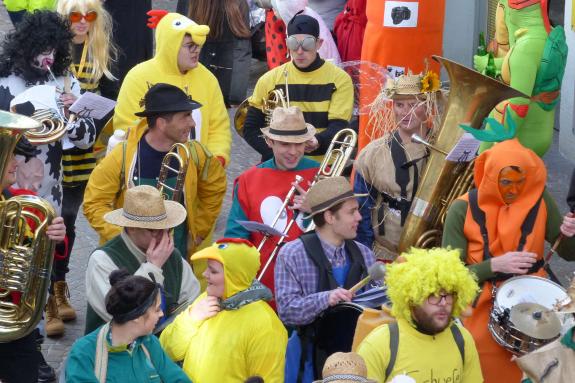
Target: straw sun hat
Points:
(327, 193)
(144, 207)
(288, 125)
(412, 84)
(344, 367)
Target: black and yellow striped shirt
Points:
(79, 163)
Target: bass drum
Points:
(522, 318)
(335, 328)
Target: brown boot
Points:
(65, 310)
(54, 325)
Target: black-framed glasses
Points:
(437, 299)
(307, 44)
(192, 47)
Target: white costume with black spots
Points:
(43, 172)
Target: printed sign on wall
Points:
(400, 14)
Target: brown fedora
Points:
(144, 207)
(288, 125)
(344, 367)
(327, 193)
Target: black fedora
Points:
(165, 98)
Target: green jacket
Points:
(125, 364)
(29, 5)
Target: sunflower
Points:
(430, 82)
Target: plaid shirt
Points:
(296, 280)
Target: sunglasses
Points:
(307, 44)
(76, 17)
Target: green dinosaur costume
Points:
(533, 62)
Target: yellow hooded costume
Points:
(212, 121)
(235, 343)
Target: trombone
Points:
(166, 169)
(338, 153)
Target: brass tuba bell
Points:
(471, 98)
(25, 250)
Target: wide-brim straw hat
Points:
(288, 125)
(344, 367)
(327, 193)
(145, 208)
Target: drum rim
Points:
(530, 277)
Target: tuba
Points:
(166, 169)
(471, 98)
(336, 157)
(25, 249)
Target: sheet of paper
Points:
(465, 150)
(92, 105)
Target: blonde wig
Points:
(427, 272)
(101, 50)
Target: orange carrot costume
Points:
(401, 35)
(503, 224)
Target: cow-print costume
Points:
(43, 172)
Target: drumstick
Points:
(376, 272)
(553, 248)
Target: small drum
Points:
(522, 319)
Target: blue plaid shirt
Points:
(296, 279)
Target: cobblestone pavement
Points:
(243, 156)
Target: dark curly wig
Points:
(37, 33)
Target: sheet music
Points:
(465, 150)
(92, 105)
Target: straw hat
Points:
(144, 207)
(412, 84)
(288, 125)
(343, 367)
(327, 193)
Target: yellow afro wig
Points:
(426, 272)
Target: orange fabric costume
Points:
(503, 224)
(391, 40)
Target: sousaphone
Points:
(471, 97)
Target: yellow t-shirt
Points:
(424, 358)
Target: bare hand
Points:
(513, 262)
(56, 231)
(568, 226)
(204, 309)
(67, 99)
(299, 202)
(199, 240)
(339, 295)
(159, 252)
(311, 145)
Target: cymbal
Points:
(17, 121)
(535, 320)
(567, 307)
